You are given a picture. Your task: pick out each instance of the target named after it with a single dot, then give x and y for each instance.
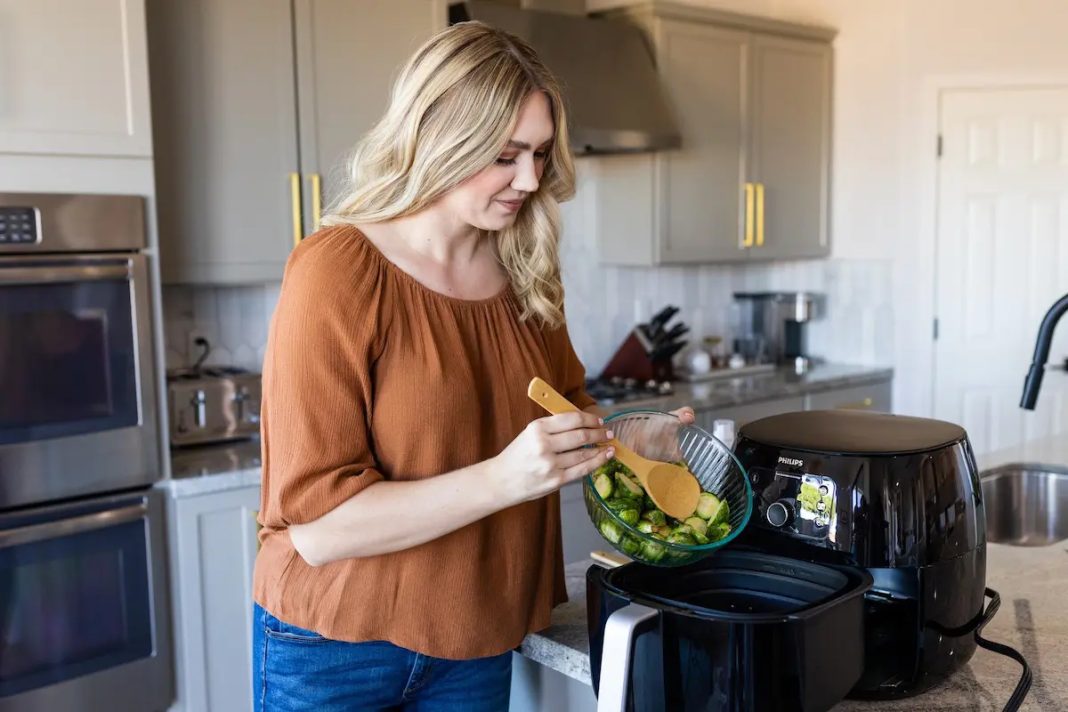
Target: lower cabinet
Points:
(871, 396)
(742, 414)
(580, 537)
(213, 546)
(536, 688)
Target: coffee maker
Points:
(770, 327)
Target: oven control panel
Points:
(19, 226)
(797, 503)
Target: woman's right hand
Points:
(549, 453)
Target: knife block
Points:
(631, 360)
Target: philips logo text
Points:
(790, 461)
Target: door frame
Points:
(911, 333)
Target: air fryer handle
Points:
(620, 631)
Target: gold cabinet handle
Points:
(759, 214)
(294, 194)
(748, 242)
(856, 405)
(317, 200)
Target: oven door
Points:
(84, 618)
(77, 386)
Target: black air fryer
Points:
(861, 572)
(894, 495)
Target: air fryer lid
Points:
(849, 432)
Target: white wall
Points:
(891, 56)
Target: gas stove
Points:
(608, 391)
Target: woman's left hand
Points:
(685, 414)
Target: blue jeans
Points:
(298, 669)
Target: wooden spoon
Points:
(672, 488)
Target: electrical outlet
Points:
(196, 342)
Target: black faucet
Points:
(1038, 361)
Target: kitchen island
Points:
(552, 669)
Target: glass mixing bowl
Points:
(662, 436)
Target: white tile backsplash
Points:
(233, 319)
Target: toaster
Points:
(213, 404)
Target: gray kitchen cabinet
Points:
(225, 123)
(870, 396)
(700, 186)
(348, 55)
(255, 103)
(742, 414)
(74, 78)
(580, 536)
(752, 101)
(212, 554)
(790, 146)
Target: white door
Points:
(1002, 259)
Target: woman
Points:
(411, 533)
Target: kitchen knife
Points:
(660, 320)
(675, 332)
(667, 350)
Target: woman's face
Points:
(491, 199)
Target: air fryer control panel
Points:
(796, 502)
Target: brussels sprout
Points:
(630, 516)
(603, 484)
(652, 551)
(629, 545)
(605, 469)
(707, 505)
(655, 516)
(646, 527)
(664, 531)
(611, 531)
(719, 531)
(722, 514)
(700, 526)
(628, 487)
(618, 504)
(678, 537)
(683, 529)
(700, 538)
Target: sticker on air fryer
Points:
(815, 503)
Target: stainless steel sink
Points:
(1026, 505)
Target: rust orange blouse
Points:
(370, 375)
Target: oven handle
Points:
(43, 274)
(74, 525)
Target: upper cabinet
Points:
(752, 99)
(256, 105)
(225, 118)
(74, 78)
(348, 54)
(790, 146)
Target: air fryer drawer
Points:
(739, 631)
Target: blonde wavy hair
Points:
(451, 113)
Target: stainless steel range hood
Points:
(611, 86)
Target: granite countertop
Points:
(204, 469)
(781, 383)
